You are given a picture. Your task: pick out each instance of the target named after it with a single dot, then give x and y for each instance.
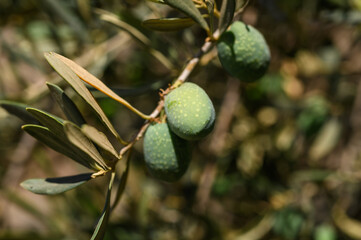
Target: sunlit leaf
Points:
(77, 138)
(96, 83)
(100, 228)
(100, 140)
(67, 73)
(227, 11)
(188, 7)
(52, 186)
(168, 24)
(19, 110)
(66, 104)
(60, 145)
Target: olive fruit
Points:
(190, 112)
(243, 52)
(167, 156)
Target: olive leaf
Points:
(210, 8)
(18, 110)
(227, 11)
(53, 123)
(95, 82)
(77, 137)
(99, 231)
(66, 104)
(122, 181)
(188, 7)
(168, 24)
(61, 145)
(68, 75)
(52, 186)
(101, 140)
(62, 132)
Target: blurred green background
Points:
(283, 161)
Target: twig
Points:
(183, 76)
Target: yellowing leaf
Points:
(95, 82)
(68, 74)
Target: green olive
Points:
(243, 52)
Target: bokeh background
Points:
(283, 161)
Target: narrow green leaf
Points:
(52, 186)
(67, 73)
(96, 83)
(19, 110)
(168, 24)
(81, 141)
(100, 228)
(66, 104)
(227, 13)
(122, 182)
(210, 8)
(56, 126)
(60, 145)
(188, 7)
(53, 123)
(101, 140)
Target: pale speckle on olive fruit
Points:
(243, 52)
(167, 156)
(190, 112)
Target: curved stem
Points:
(183, 76)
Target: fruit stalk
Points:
(183, 76)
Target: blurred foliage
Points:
(286, 166)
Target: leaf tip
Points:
(25, 185)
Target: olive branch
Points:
(84, 143)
